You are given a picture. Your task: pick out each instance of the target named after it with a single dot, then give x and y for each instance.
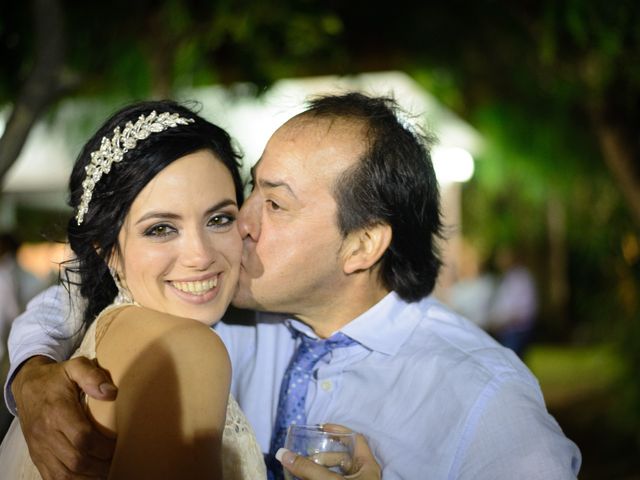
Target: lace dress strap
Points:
(98, 329)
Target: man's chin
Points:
(245, 300)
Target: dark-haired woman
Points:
(156, 192)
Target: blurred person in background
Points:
(9, 309)
(9, 287)
(514, 306)
(18, 285)
(471, 295)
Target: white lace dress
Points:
(241, 455)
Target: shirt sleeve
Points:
(49, 327)
(512, 435)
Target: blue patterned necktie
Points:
(293, 391)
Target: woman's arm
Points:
(173, 377)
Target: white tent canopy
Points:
(39, 177)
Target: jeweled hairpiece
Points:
(113, 150)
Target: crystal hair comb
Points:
(113, 150)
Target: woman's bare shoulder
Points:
(132, 329)
(148, 353)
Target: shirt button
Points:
(326, 385)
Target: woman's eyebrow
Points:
(158, 214)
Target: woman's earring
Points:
(124, 296)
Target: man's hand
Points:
(62, 440)
(364, 465)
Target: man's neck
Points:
(327, 319)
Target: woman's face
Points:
(179, 246)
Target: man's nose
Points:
(249, 218)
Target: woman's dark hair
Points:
(96, 238)
(393, 183)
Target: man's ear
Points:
(364, 247)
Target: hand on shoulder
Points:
(62, 440)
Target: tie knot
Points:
(311, 350)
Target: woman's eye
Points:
(158, 231)
(220, 220)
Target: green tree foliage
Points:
(149, 48)
(137, 48)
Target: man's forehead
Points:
(323, 126)
(310, 147)
(324, 142)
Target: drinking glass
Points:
(331, 449)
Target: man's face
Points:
(292, 245)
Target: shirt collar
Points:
(383, 328)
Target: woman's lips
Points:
(196, 291)
(199, 287)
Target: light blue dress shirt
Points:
(436, 397)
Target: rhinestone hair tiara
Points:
(113, 149)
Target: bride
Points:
(155, 194)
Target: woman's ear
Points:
(114, 263)
(364, 247)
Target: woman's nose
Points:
(200, 251)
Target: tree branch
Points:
(46, 83)
(620, 158)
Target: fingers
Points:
(91, 379)
(342, 460)
(335, 428)
(303, 468)
(82, 447)
(79, 434)
(51, 468)
(62, 441)
(51, 449)
(365, 465)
